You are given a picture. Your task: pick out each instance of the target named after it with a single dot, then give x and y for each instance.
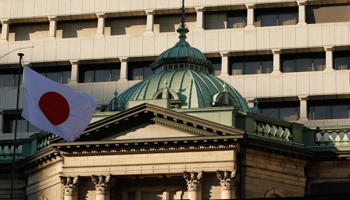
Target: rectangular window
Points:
(276, 16)
(134, 26)
(169, 23)
(22, 124)
(99, 72)
(341, 60)
(60, 74)
(237, 19)
(288, 110)
(301, 62)
(139, 70)
(9, 77)
(328, 13)
(76, 29)
(329, 109)
(251, 64)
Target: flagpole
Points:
(16, 119)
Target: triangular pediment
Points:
(150, 130)
(147, 121)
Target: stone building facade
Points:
(194, 133)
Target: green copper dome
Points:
(192, 89)
(183, 76)
(182, 52)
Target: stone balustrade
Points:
(274, 131)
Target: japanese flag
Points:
(56, 108)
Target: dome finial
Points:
(183, 14)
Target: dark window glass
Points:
(139, 70)
(60, 74)
(217, 65)
(276, 16)
(328, 109)
(9, 77)
(341, 60)
(22, 124)
(99, 72)
(237, 19)
(301, 62)
(327, 13)
(251, 64)
(287, 110)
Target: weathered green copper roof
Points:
(182, 52)
(194, 89)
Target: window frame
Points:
(258, 13)
(250, 59)
(298, 56)
(98, 67)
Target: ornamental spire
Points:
(183, 14)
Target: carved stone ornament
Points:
(101, 183)
(70, 184)
(194, 180)
(227, 179)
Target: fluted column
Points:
(227, 182)
(102, 184)
(70, 187)
(194, 184)
(5, 29)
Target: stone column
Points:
(227, 182)
(100, 24)
(194, 184)
(5, 29)
(303, 108)
(150, 22)
(276, 61)
(102, 184)
(250, 15)
(329, 58)
(53, 26)
(75, 72)
(200, 19)
(225, 64)
(70, 187)
(124, 68)
(302, 12)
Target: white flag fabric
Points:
(56, 108)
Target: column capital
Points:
(194, 180)
(328, 48)
(75, 62)
(200, 9)
(304, 97)
(70, 184)
(276, 51)
(52, 18)
(124, 59)
(227, 179)
(150, 12)
(6, 21)
(225, 54)
(250, 5)
(302, 3)
(102, 183)
(101, 15)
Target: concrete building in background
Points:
(293, 57)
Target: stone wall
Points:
(267, 175)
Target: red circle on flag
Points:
(55, 107)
